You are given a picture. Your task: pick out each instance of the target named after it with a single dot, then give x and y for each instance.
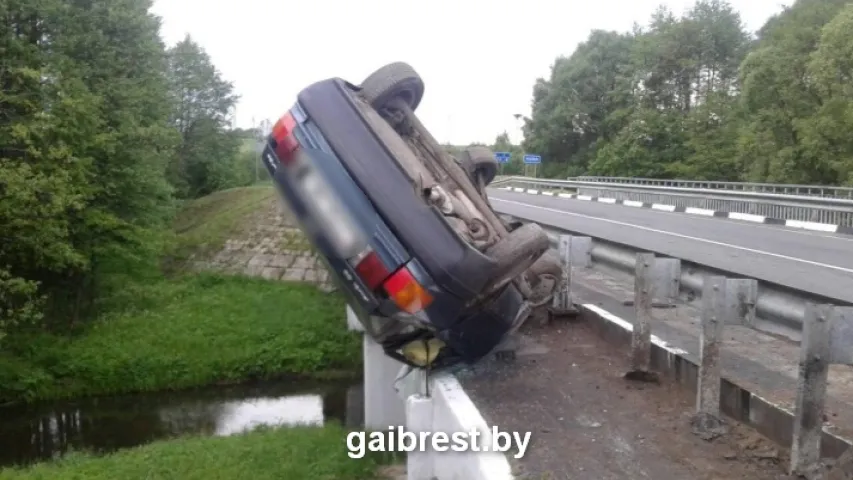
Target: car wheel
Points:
(479, 161)
(516, 252)
(395, 80)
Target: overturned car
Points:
(405, 228)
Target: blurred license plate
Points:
(329, 215)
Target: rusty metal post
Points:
(641, 341)
(827, 339)
(741, 297)
(563, 298)
(708, 423)
(811, 390)
(666, 273)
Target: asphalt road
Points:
(820, 263)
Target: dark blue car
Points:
(404, 227)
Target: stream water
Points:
(41, 431)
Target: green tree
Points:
(826, 135)
(582, 103)
(778, 96)
(207, 158)
(84, 137)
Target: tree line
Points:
(103, 132)
(697, 96)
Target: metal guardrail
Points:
(827, 333)
(778, 188)
(836, 211)
(778, 309)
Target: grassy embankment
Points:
(265, 454)
(192, 330)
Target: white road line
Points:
(679, 235)
(756, 224)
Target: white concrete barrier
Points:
(448, 409)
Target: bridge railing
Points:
(659, 281)
(786, 206)
(778, 188)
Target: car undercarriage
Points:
(456, 186)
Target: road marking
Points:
(679, 235)
(821, 227)
(747, 217)
(699, 211)
(739, 218)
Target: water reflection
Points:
(40, 432)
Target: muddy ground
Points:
(588, 422)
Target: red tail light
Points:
(401, 286)
(406, 292)
(286, 144)
(371, 270)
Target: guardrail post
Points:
(811, 389)
(708, 423)
(641, 333)
(741, 297)
(563, 298)
(581, 248)
(666, 273)
(827, 339)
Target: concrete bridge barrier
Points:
(440, 406)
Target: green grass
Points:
(187, 331)
(295, 240)
(203, 225)
(274, 454)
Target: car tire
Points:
(479, 161)
(517, 252)
(395, 80)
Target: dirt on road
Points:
(588, 422)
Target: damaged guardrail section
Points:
(827, 333)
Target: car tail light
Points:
(370, 269)
(406, 292)
(286, 144)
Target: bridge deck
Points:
(588, 422)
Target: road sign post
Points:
(531, 159)
(502, 158)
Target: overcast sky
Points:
(479, 59)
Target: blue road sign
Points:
(502, 157)
(532, 159)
